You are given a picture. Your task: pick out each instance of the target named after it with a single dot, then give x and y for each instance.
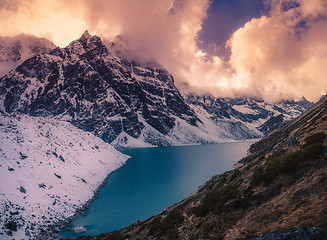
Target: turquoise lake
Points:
(153, 179)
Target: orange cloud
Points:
(44, 18)
(282, 55)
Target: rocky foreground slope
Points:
(280, 192)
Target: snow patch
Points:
(244, 109)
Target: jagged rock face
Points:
(315, 117)
(272, 124)
(15, 50)
(94, 90)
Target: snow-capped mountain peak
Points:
(97, 90)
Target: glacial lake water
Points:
(153, 179)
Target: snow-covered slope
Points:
(48, 170)
(15, 50)
(243, 118)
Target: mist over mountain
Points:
(275, 53)
(94, 88)
(15, 50)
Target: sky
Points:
(224, 17)
(274, 49)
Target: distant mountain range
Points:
(130, 104)
(245, 118)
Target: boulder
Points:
(79, 229)
(11, 225)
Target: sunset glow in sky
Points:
(268, 48)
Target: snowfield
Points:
(48, 170)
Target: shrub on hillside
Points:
(314, 138)
(215, 201)
(289, 162)
(166, 226)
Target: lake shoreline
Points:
(139, 169)
(55, 229)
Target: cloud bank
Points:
(283, 55)
(280, 55)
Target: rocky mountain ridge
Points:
(278, 193)
(127, 103)
(96, 92)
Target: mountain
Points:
(280, 192)
(15, 50)
(49, 170)
(128, 103)
(97, 92)
(244, 117)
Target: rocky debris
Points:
(22, 155)
(61, 158)
(57, 175)
(299, 233)
(42, 185)
(11, 225)
(22, 189)
(33, 201)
